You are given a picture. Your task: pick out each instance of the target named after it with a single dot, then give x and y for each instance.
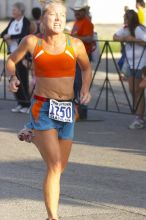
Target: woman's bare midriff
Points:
(55, 88)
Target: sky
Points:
(109, 11)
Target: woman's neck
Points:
(55, 39)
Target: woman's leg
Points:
(65, 149)
(137, 95)
(140, 100)
(55, 153)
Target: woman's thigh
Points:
(52, 149)
(48, 145)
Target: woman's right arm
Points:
(121, 35)
(27, 45)
(83, 61)
(117, 38)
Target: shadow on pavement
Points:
(80, 182)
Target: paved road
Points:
(105, 178)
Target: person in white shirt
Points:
(17, 28)
(134, 36)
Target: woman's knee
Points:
(55, 167)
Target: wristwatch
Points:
(11, 77)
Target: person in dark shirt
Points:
(35, 25)
(17, 28)
(82, 29)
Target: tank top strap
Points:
(68, 40)
(38, 46)
(39, 43)
(69, 44)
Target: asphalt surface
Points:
(105, 178)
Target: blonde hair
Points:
(47, 3)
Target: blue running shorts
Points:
(39, 119)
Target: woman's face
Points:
(16, 13)
(54, 19)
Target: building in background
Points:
(102, 12)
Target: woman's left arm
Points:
(84, 63)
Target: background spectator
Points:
(123, 67)
(140, 5)
(35, 25)
(135, 35)
(17, 28)
(126, 8)
(82, 29)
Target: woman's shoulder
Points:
(77, 45)
(29, 42)
(140, 28)
(30, 39)
(75, 41)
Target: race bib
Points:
(60, 111)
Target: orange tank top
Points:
(54, 65)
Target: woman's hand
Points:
(130, 38)
(6, 37)
(85, 97)
(14, 84)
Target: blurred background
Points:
(105, 11)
